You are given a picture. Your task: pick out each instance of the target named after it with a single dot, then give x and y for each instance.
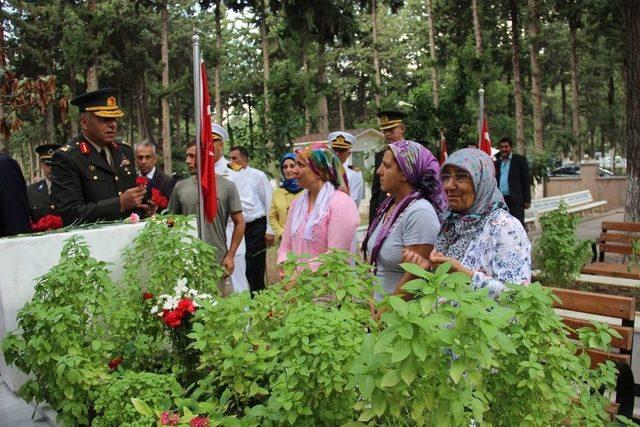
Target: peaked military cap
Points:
(101, 102)
(390, 119)
(45, 152)
(341, 139)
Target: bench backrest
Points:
(614, 306)
(578, 198)
(546, 203)
(616, 237)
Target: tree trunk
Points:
(4, 146)
(144, 121)
(476, 26)
(631, 14)
(536, 83)
(164, 53)
(92, 71)
(323, 107)
(31, 147)
(432, 53)
(517, 81)
(340, 112)
(563, 101)
(376, 53)
(575, 114)
(176, 122)
(217, 74)
(307, 113)
(266, 71)
(612, 116)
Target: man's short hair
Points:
(243, 151)
(190, 144)
(507, 140)
(145, 143)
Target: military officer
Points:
(39, 193)
(341, 142)
(392, 126)
(93, 175)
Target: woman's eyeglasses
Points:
(457, 177)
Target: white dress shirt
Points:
(356, 184)
(150, 174)
(255, 194)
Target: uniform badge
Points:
(84, 148)
(111, 101)
(92, 168)
(41, 186)
(65, 148)
(125, 162)
(115, 145)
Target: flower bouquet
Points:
(176, 311)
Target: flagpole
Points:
(197, 100)
(480, 114)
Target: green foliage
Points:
(558, 253)
(113, 404)
(66, 340)
(453, 355)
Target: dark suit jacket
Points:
(163, 182)
(519, 185)
(40, 202)
(84, 187)
(14, 206)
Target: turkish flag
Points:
(207, 157)
(485, 140)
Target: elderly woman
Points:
(478, 236)
(323, 217)
(409, 218)
(284, 195)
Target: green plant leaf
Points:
(390, 379)
(141, 407)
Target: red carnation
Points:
(173, 318)
(158, 198)
(147, 296)
(47, 222)
(113, 364)
(142, 180)
(186, 305)
(169, 419)
(199, 422)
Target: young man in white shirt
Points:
(255, 194)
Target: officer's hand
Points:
(149, 208)
(132, 198)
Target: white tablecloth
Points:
(24, 259)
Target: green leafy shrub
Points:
(113, 404)
(66, 341)
(558, 253)
(453, 355)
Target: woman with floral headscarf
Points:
(323, 216)
(284, 195)
(478, 236)
(409, 218)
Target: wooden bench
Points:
(616, 237)
(576, 308)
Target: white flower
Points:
(181, 287)
(154, 309)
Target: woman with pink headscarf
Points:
(323, 217)
(410, 217)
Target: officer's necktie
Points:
(103, 153)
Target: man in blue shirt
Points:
(512, 173)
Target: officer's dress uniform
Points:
(40, 200)
(85, 187)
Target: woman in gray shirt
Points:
(410, 216)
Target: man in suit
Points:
(392, 126)
(14, 206)
(512, 174)
(39, 193)
(93, 175)
(146, 158)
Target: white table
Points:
(24, 259)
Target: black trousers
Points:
(515, 209)
(256, 255)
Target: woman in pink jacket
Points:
(323, 217)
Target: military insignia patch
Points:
(41, 187)
(125, 162)
(92, 168)
(111, 101)
(65, 148)
(84, 148)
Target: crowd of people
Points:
(468, 212)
